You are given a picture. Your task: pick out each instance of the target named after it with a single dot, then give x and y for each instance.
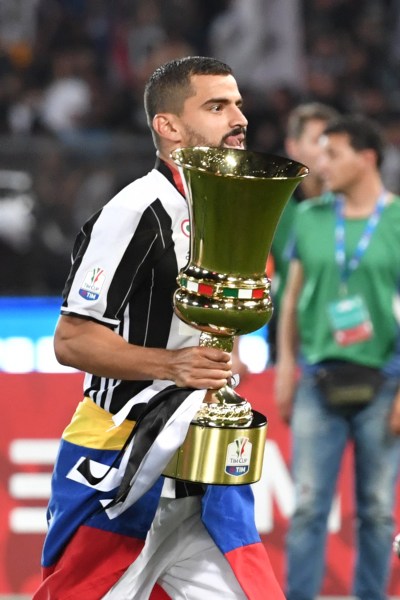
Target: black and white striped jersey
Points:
(124, 266)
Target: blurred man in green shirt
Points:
(338, 324)
(305, 125)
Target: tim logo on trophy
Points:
(236, 198)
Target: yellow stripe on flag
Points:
(93, 427)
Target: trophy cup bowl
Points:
(235, 198)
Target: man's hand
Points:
(200, 367)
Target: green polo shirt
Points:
(376, 279)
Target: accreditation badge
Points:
(350, 320)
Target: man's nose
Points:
(238, 118)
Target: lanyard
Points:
(340, 253)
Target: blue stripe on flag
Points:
(228, 514)
(73, 504)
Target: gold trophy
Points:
(236, 198)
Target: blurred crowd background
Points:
(72, 73)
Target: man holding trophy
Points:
(150, 495)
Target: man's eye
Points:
(216, 108)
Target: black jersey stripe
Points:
(132, 271)
(81, 243)
(159, 223)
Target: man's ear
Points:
(370, 157)
(165, 125)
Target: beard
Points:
(195, 138)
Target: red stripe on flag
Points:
(258, 293)
(254, 572)
(158, 593)
(90, 565)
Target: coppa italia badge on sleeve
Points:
(92, 284)
(238, 457)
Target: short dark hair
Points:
(309, 111)
(170, 84)
(363, 133)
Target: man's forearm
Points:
(96, 349)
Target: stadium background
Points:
(73, 132)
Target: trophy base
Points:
(221, 455)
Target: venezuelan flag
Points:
(89, 545)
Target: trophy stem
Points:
(222, 342)
(223, 407)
